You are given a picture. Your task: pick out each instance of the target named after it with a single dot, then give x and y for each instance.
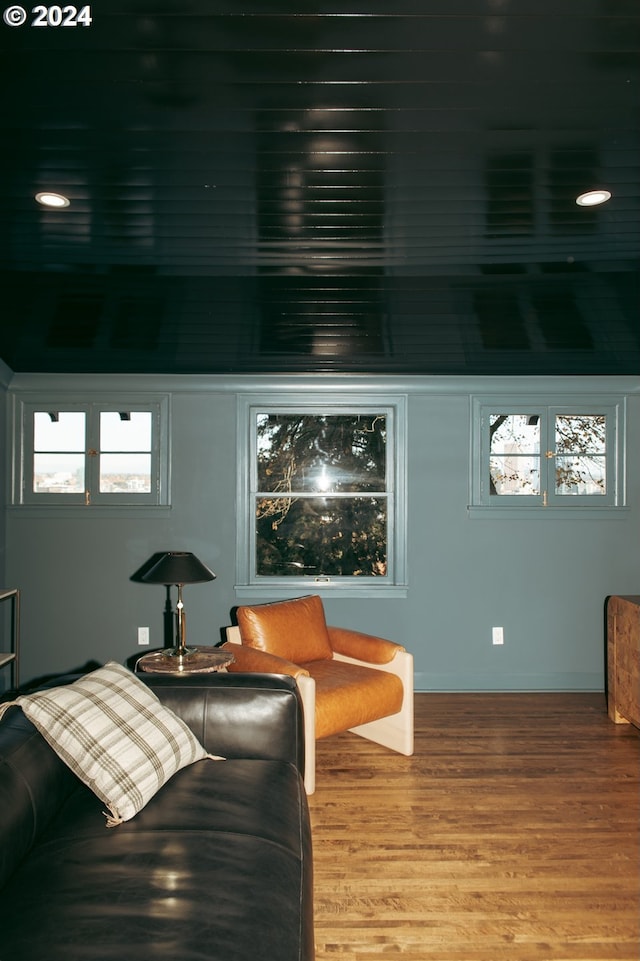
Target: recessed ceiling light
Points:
(593, 197)
(49, 199)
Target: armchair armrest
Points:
(395, 731)
(362, 647)
(253, 660)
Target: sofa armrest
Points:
(34, 784)
(362, 647)
(238, 715)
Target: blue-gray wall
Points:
(543, 580)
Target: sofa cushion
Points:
(295, 630)
(217, 867)
(115, 735)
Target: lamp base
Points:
(181, 651)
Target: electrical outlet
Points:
(143, 635)
(497, 635)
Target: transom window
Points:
(532, 455)
(93, 454)
(322, 487)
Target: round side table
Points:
(204, 660)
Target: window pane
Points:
(581, 475)
(515, 475)
(315, 536)
(298, 453)
(125, 472)
(580, 448)
(580, 434)
(58, 473)
(125, 431)
(514, 464)
(59, 431)
(514, 433)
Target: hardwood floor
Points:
(512, 834)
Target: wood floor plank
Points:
(511, 835)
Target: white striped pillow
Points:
(115, 735)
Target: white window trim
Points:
(248, 584)
(558, 506)
(22, 460)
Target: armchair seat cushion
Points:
(348, 695)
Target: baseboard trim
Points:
(450, 683)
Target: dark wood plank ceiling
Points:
(296, 186)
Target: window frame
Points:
(251, 584)
(24, 496)
(547, 502)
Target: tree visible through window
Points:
(516, 462)
(322, 498)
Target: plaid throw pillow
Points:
(115, 735)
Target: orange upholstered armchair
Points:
(348, 681)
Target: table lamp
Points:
(179, 568)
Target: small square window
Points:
(93, 454)
(546, 456)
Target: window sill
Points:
(555, 513)
(93, 510)
(279, 590)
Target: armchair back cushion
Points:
(295, 630)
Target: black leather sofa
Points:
(217, 866)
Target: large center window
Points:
(322, 489)
(322, 501)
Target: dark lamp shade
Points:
(178, 567)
